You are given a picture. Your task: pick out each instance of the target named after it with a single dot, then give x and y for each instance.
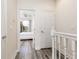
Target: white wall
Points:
(66, 16)
(11, 41)
(40, 7)
(35, 4)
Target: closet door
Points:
(44, 24)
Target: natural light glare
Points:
(25, 23)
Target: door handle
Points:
(42, 31)
(3, 37)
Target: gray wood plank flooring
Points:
(27, 51)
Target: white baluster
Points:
(55, 51)
(59, 38)
(53, 47)
(73, 49)
(65, 47)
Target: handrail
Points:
(66, 34)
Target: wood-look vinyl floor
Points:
(28, 52)
(44, 54)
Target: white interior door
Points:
(3, 30)
(43, 26)
(45, 29)
(8, 29)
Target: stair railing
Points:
(64, 46)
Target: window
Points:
(25, 17)
(25, 26)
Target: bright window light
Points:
(25, 23)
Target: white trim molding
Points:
(67, 34)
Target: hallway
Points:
(52, 24)
(28, 52)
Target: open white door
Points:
(8, 29)
(3, 30)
